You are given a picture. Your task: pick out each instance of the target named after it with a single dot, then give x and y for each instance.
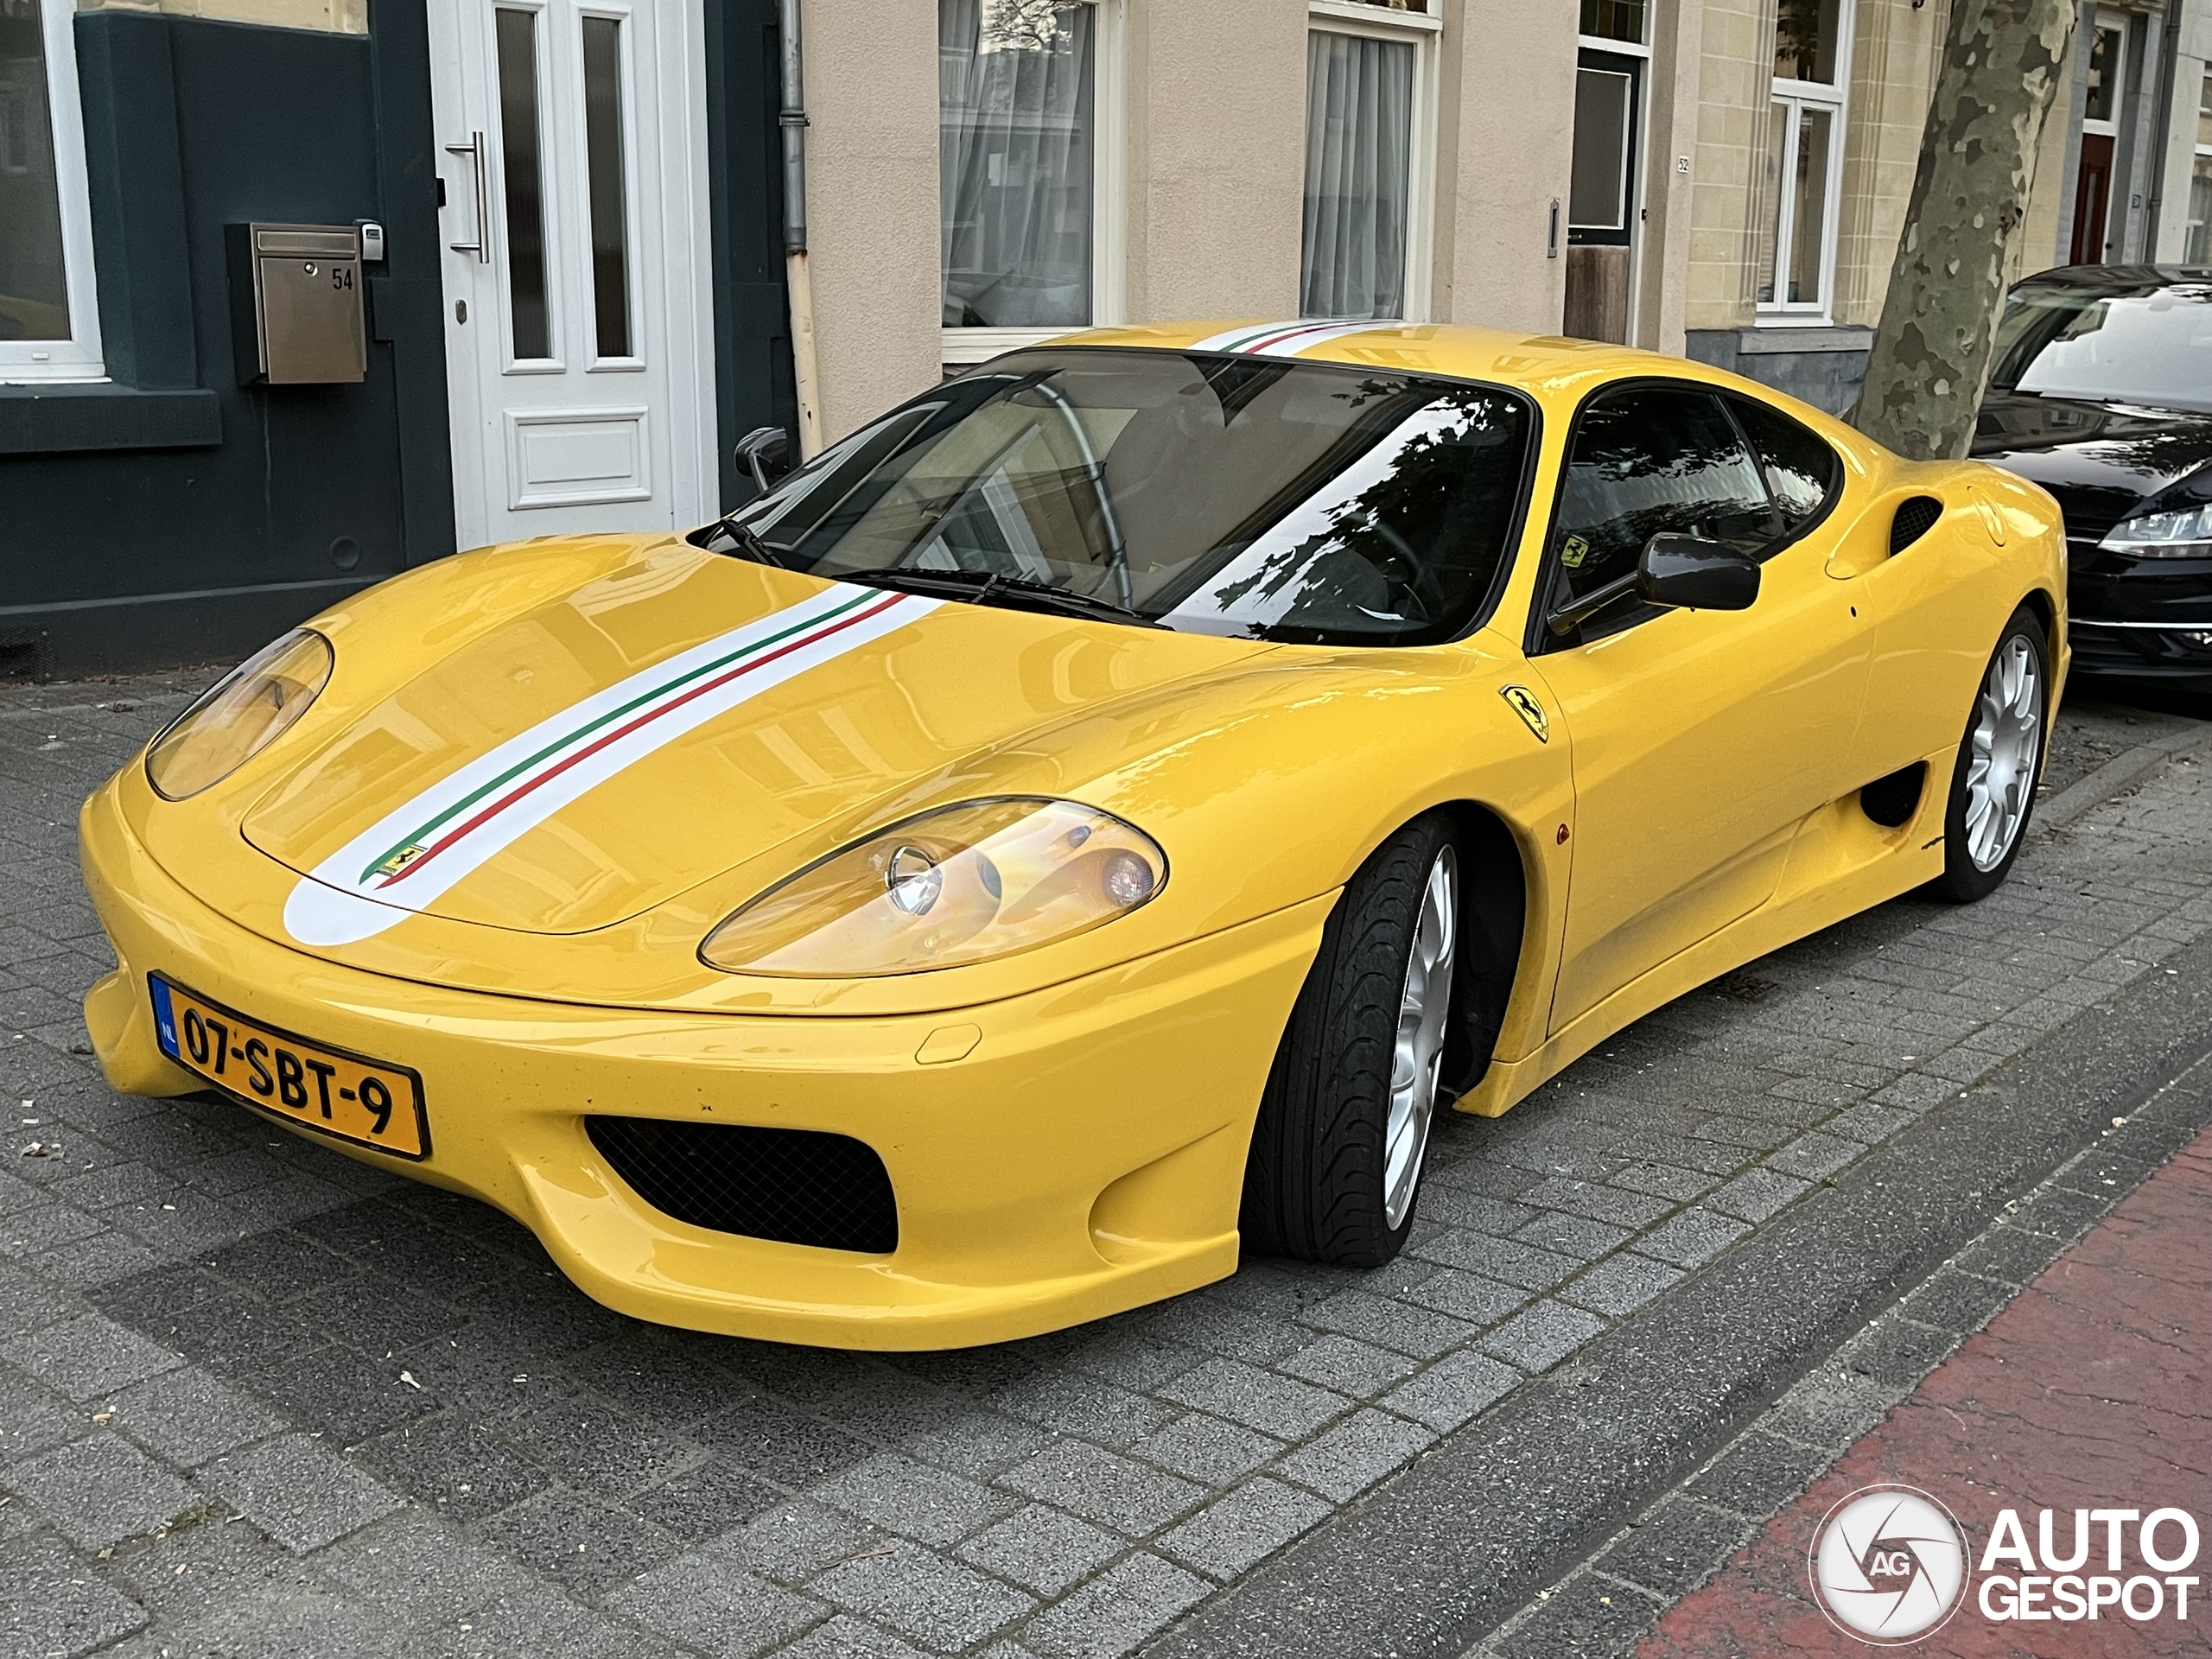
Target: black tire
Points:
(1314, 1182)
(1964, 880)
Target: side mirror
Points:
(765, 452)
(1690, 573)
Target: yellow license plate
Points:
(370, 1103)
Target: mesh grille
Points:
(1915, 518)
(797, 1186)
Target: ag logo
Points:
(1889, 1564)
(1525, 705)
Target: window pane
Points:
(610, 251)
(525, 191)
(1358, 175)
(2197, 248)
(1801, 468)
(1648, 461)
(34, 287)
(1809, 221)
(1806, 35)
(1597, 196)
(1614, 20)
(1777, 141)
(2105, 53)
(2204, 116)
(1015, 163)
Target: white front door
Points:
(572, 159)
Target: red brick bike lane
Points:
(2090, 1391)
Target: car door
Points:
(1700, 738)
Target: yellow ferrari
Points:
(1083, 824)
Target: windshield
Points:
(2152, 348)
(1259, 499)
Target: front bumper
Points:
(2137, 650)
(1085, 1157)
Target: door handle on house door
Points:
(481, 247)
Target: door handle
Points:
(481, 247)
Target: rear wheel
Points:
(2000, 762)
(1343, 1131)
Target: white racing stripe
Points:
(408, 858)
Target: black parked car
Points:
(2102, 394)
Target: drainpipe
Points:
(797, 277)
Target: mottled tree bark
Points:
(2002, 68)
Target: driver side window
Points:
(1643, 462)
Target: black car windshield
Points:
(2152, 346)
(1224, 495)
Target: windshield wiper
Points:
(749, 541)
(983, 587)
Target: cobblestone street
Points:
(255, 1397)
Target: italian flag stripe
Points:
(564, 752)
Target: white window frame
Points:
(2108, 23)
(2202, 156)
(1794, 97)
(962, 346)
(78, 357)
(1419, 30)
(1638, 161)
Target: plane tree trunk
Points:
(2003, 65)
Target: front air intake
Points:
(1917, 516)
(796, 1186)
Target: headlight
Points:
(958, 885)
(245, 711)
(2183, 535)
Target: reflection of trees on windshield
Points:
(1421, 520)
(2148, 343)
(2154, 444)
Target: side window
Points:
(1802, 470)
(1643, 462)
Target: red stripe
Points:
(1267, 340)
(621, 732)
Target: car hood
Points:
(2102, 461)
(600, 752)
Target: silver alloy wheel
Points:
(2007, 743)
(1419, 1054)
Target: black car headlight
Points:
(2183, 535)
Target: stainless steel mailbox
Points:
(296, 304)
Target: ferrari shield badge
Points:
(1525, 705)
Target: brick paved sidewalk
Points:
(254, 1396)
(2090, 1391)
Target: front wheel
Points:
(1342, 1130)
(1999, 764)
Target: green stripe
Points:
(416, 837)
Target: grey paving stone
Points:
(1539, 1338)
(1263, 1399)
(187, 1416)
(544, 1624)
(902, 1496)
(1468, 1295)
(1041, 1549)
(1758, 1472)
(1662, 1180)
(52, 1607)
(1208, 1450)
(419, 1569)
(1243, 1526)
(1417, 1332)
(1450, 1392)
(939, 1604)
(1814, 1156)
(101, 1491)
(979, 1443)
(33, 1419)
(1620, 1284)
(706, 1502)
(1588, 1616)
(1356, 1454)
(707, 1603)
(1676, 1546)
(1104, 1487)
(299, 1493)
(1359, 1369)
(796, 1541)
(1576, 1236)
(1113, 1614)
(1498, 1258)
(87, 1356)
(846, 1637)
(582, 1542)
(1692, 1238)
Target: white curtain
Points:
(1359, 96)
(1015, 161)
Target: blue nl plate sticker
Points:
(164, 1020)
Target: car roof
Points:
(2114, 282)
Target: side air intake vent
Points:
(797, 1186)
(1917, 516)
